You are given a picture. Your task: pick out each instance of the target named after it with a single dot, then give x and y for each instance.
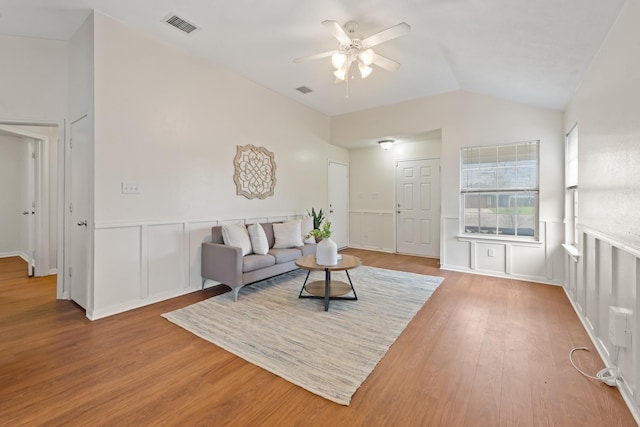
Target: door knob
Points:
(25, 213)
(81, 223)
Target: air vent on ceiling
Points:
(304, 89)
(180, 24)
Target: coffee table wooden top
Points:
(308, 262)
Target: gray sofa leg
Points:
(235, 293)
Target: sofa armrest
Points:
(222, 263)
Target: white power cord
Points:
(609, 376)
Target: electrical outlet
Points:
(491, 252)
(130, 188)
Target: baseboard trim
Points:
(100, 313)
(534, 279)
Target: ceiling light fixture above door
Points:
(386, 144)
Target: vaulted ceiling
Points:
(530, 51)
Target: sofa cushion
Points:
(285, 255)
(236, 235)
(268, 230)
(216, 234)
(287, 234)
(255, 262)
(258, 238)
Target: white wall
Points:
(372, 193)
(468, 119)
(606, 108)
(33, 79)
(171, 122)
(10, 193)
(33, 84)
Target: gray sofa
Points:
(225, 264)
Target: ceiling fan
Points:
(355, 50)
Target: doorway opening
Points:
(32, 162)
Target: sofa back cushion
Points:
(216, 233)
(288, 234)
(237, 235)
(268, 230)
(259, 242)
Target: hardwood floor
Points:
(481, 352)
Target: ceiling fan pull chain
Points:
(347, 86)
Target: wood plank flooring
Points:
(481, 352)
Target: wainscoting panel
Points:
(140, 263)
(373, 230)
(607, 273)
(518, 259)
(166, 258)
(372, 223)
(490, 257)
(388, 232)
(118, 275)
(355, 230)
(528, 261)
(455, 253)
(199, 232)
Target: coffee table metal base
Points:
(328, 289)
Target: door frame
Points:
(40, 178)
(395, 201)
(329, 161)
(44, 174)
(68, 218)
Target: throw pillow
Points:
(236, 235)
(288, 234)
(258, 239)
(307, 226)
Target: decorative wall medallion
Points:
(255, 172)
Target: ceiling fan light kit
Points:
(365, 70)
(338, 59)
(354, 49)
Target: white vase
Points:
(326, 252)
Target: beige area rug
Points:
(327, 353)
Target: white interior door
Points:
(79, 211)
(339, 203)
(418, 207)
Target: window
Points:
(499, 190)
(571, 186)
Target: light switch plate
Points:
(130, 188)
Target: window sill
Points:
(572, 251)
(525, 241)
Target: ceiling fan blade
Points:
(386, 63)
(316, 56)
(388, 34)
(337, 31)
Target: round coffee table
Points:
(328, 289)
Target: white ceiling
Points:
(530, 51)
